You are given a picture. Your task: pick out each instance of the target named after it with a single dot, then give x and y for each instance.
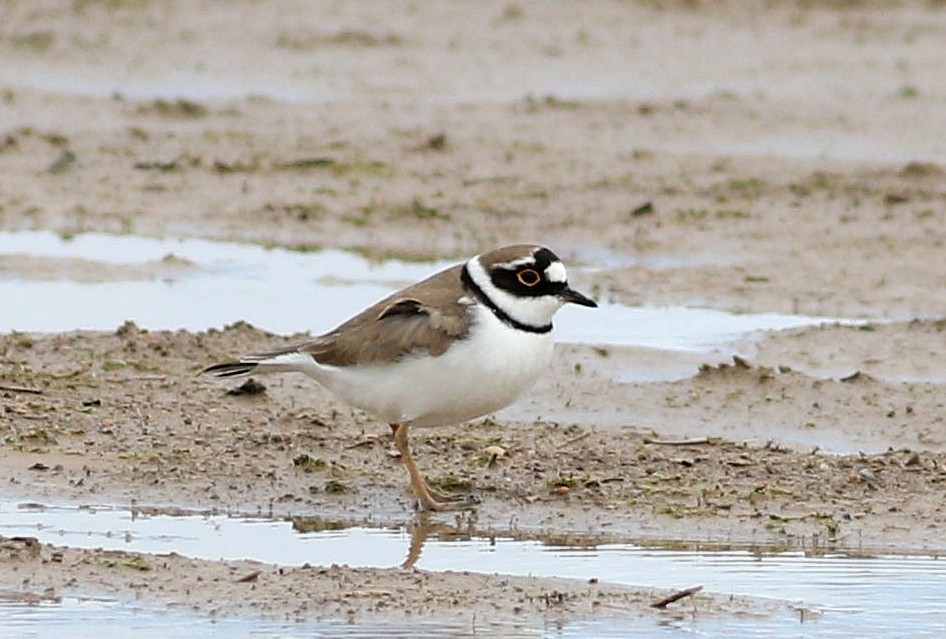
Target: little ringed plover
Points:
(462, 343)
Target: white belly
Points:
(475, 376)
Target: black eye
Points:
(528, 277)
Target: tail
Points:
(231, 369)
(285, 361)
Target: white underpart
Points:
(478, 375)
(531, 311)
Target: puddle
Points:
(109, 619)
(234, 85)
(597, 258)
(79, 618)
(83, 618)
(172, 85)
(840, 596)
(262, 286)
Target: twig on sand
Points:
(251, 577)
(367, 440)
(574, 440)
(20, 389)
(139, 378)
(677, 596)
(677, 442)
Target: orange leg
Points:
(427, 497)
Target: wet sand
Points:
(799, 168)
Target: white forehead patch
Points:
(555, 272)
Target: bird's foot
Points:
(432, 499)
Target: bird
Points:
(462, 343)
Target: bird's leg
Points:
(427, 497)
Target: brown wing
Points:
(427, 316)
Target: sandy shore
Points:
(747, 157)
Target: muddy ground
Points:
(752, 157)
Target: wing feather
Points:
(428, 316)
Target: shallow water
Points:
(85, 618)
(839, 596)
(286, 291)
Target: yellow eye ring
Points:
(528, 277)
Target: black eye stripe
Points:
(508, 280)
(507, 277)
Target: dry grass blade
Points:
(678, 442)
(20, 389)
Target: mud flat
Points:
(739, 158)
